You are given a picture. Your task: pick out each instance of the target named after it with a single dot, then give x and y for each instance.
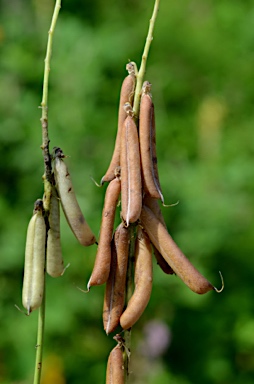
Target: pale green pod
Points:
(33, 282)
(69, 203)
(54, 264)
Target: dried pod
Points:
(126, 95)
(103, 256)
(115, 287)
(148, 144)
(69, 203)
(161, 239)
(33, 282)
(165, 267)
(143, 281)
(54, 261)
(152, 203)
(131, 187)
(115, 367)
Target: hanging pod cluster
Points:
(134, 180)
(43, 244)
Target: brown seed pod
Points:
(148, 144)
(126, 95)
(131, 186)
(115, 367)
(69, 203)
(103, 256)
(153, 204)
(115, 287)
(143, 281)
(161, 239)
(164, 266)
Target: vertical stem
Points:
(132, 229)
(39, 344)
(142, 69)
(44, 106)
(47, 184)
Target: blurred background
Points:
(201, 69)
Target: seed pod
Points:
(103, 257)
(148, 144)
(33, 282)
(54, 264)
(115, 287)
(143, 281)
(131, 188)
(69, 203)
(152, 203)
(126, 95)
(161, 239)
(115, 367)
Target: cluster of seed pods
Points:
(43, 246)
(133, 179)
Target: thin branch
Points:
(39, 344)
(47, 184)
(44, 106)
(142, 70)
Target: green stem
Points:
(44, 106)
(39, 344)
(142, 69)
(47, 184)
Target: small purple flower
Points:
(157, 338)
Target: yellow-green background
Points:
(201, 67)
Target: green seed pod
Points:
(54, 265)
(33, 282)
(69, 203)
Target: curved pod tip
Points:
(222, 284)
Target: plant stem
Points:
(132, 229)
(142, 69)
(39, 344)
(47, 184)
(44, 106)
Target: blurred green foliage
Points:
(201, 67)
